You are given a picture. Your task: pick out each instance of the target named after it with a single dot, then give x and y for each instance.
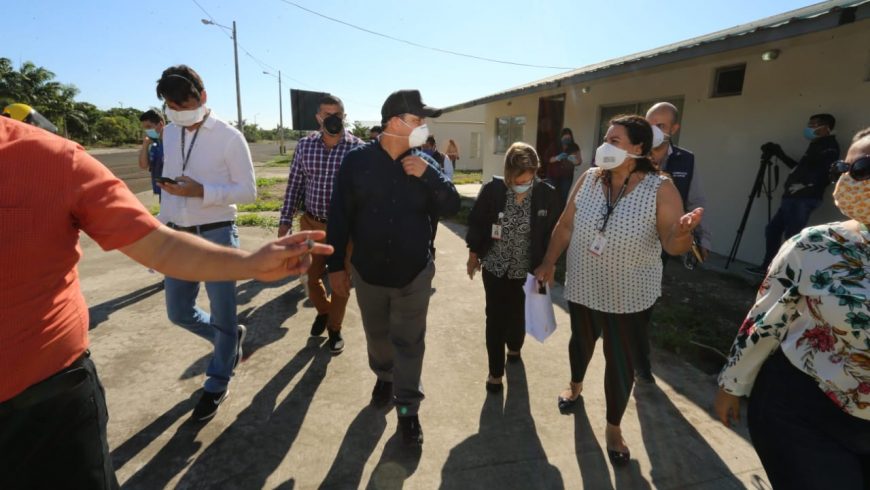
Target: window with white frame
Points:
(508, 130)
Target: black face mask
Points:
(333, 124)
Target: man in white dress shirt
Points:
(207, 170)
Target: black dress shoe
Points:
(319, 325)
(382, 394)
(412, 433)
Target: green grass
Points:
(261, 205)
(281, 160)
(269, 181)
(467, 177)
(252, 219)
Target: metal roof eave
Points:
(693, 48)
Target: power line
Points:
(263, 65)
(423, 46)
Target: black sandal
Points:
(618, 458)
(566, 403)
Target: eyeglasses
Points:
(858, 170)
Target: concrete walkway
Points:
(299, 418)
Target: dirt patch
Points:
(699, 312)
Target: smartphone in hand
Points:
(166, 180)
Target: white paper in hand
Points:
(540, 317)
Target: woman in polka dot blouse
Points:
(619, 217)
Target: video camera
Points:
(769, 149)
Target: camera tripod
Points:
(766, 181)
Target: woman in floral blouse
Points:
(508, 232)
(803, 353)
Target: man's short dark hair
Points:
(330, 99)
(826, 119)
(151, 116)
(179, 83)
(430, 140)
(376, 129)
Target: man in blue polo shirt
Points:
(384, 201)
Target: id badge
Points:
(598, 244)
(496, 232)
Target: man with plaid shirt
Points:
(312, 174)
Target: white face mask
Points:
(609, 157)
(186, 118)
(658, 137)
(418, 135)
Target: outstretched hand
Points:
(287, 256)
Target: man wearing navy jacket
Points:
(680, 164)
(385, 200)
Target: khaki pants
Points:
(335, 305)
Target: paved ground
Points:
(298, 417)
(125, 162)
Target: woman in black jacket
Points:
(508, 232)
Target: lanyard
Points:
(185, 158)
(612, 207)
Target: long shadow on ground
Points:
(101, 312)
(506, 452)
(249, 450)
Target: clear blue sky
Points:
(114, 51)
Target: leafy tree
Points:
(360, 131)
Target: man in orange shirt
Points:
(52, 408)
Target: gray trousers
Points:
(394, 320)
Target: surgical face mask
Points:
(418, 135)
(521, 188)
(333, 124)
(609, 157)
(810, 133)
(152, 133)
(186, 118)
(852, 198)
(566, 141)
(428, 151)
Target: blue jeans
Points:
(789, 220)
(221, 326)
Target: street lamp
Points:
(236, 56)
(281, 148)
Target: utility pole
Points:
(281, 149)
(238, 90)
(236, 59)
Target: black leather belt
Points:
(65, 380)
(199, 229)
(316, 218)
